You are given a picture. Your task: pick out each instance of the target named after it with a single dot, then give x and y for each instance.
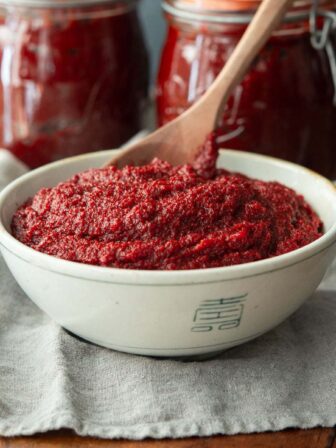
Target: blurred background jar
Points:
(285, 106)
(73, 76)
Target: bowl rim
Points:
(162, 277)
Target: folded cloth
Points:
(50, 379)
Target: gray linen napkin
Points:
(50, 379)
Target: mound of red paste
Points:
(163, 217)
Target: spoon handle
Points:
(267, 17)
(178, 141)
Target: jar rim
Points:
(300, 11)
(60, 3)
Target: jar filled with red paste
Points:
(285, 106)
(74, 76)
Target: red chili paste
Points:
(162, 217)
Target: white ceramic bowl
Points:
(172, 313)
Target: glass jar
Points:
(73, 76)
(285, 105)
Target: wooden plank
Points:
(333, 441)
(313, 438)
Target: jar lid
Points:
(233, 5)
(60, 3)
(218, 5)
(236, 11)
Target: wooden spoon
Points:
(179, 141)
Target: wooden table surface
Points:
(312, 438)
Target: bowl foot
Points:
(183, 358)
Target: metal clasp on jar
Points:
(321, 36)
